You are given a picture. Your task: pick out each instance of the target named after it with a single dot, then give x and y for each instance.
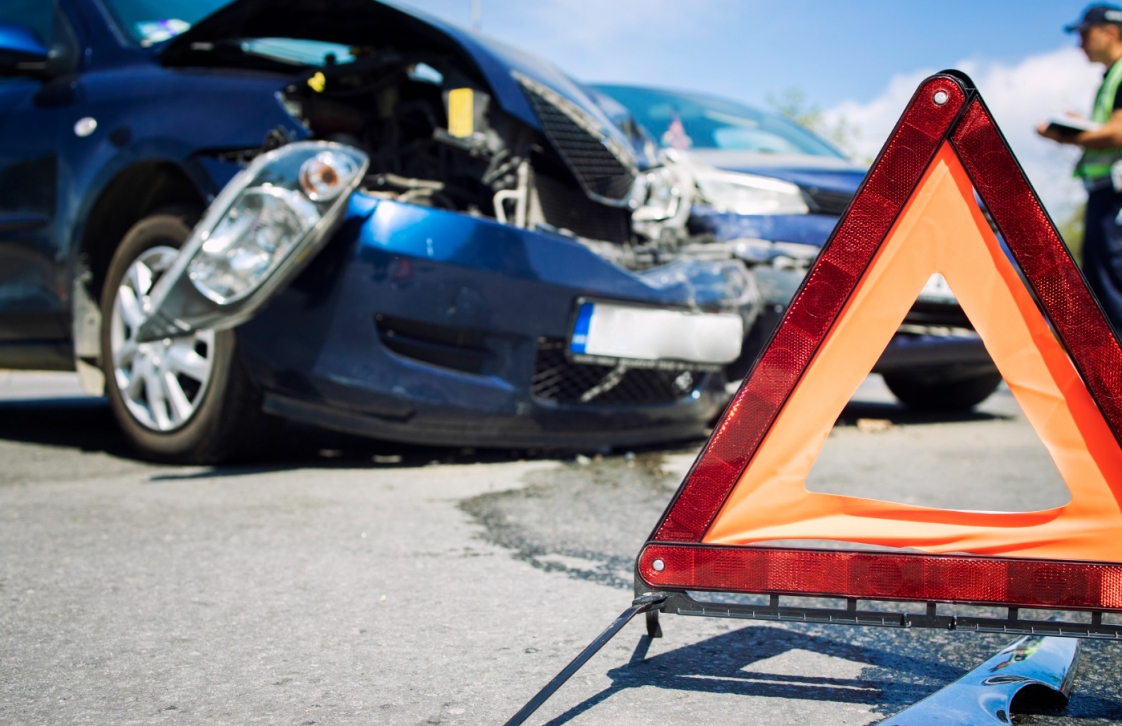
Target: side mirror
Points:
(21, 51)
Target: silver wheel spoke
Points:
(123, 356)
(141, 277)
(131, 312)
(157, 406)
(180, 407)
(136, 378)
(182, 358)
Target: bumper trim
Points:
(514, 432)
(913, 352)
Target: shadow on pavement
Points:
(87, 424)
(891, 679)
(723, 664)
(80, 422)
(900, 415)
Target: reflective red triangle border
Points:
(946, 108)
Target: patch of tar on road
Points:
(586, 518)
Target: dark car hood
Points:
(367, 22)
(818, 172)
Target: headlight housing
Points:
(250, 241)
(256, 236)
(738, 193)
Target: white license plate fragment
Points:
(651, 334)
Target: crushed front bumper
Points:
(426, 326)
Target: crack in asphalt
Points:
(597, 527)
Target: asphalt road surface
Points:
(352, 582)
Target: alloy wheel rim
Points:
(163, 382)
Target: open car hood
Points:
(367, 22)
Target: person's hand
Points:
(1052, 134)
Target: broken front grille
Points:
(566, 207)
(602, 167)
(560, 380)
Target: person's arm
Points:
(1107, 136)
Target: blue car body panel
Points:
(807, 229)
(317, 350)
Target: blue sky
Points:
(833, 51)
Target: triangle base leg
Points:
(645, 604)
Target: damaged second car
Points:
(349, 215)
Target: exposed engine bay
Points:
(489, 133)
(435, 138)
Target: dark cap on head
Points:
(1097, 15)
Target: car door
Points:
(33, 290)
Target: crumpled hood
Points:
(367, 22)
(820, 172)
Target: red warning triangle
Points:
(915, 215)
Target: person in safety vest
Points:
(1100, 168)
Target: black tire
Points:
(227, 422)
(925, 392)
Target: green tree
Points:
(794, 104)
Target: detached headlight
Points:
(267, 219)
(749, 194)
(256, 236)
(250, 241)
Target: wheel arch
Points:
(132, 194)
(135, 192)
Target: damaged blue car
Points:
(228, 214)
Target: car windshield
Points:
(694, 121)
(153, 21)
(149, 22)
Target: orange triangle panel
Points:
(915, 215)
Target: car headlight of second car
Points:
(749, 194)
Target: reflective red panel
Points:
(884, 576)
(1043, 259)
(849, 251)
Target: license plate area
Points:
(611, 333)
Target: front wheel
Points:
(932, 392)
(186, 399)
